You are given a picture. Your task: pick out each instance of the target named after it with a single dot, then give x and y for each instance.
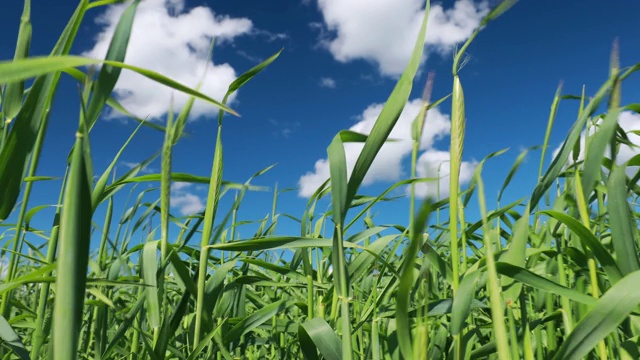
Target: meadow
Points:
(550, 276)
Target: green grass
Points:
(532, 279)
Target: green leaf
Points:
(604, 317)
(403, 298)
(9, 336)
(588, 239)
(12, 100)
(595, 151)
(256, 319)
(462, 302)
(569, 144)
(149, 271)
(109, 74)
(388, 116)
(515, 255)
(622, 222)
(75, 237)
(11, 71)
(536, 281)
(244, 78)
(315, 336)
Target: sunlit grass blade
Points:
(570, 142)
(623, 234)
(214, 192)
(407, 281)
(108, 76)
(603, 318)
(493, 283)
(536, 281)
(462, 302)
(607, 262)
(35, 66)
(98, 194)
(516, 165)
(515, 255)
(388, 116)
(338, 172)
(596, 151)
(149, 271)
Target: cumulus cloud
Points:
(364, 29)
(435, 164)
(630, 124)
(175, 42)
(328, 82)
(185, 201)
(388, 165)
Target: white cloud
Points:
(327, 82)
(384, 31)
(179, 185)
(130, 165)
(427, 167)
(175, 42)
(388, 164)
(186, 202)
(628, 121)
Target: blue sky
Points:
(340, 61)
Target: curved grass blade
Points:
(9, 336)
(622, 222)
(22, 137)
(512, 171)
(536, 281)
(256, 319)
(515, 255)
(14, 92)
(248, 75)
(11, 71)
(109, 74)
(98, 194)
(206, 340)
(315, 336)
(595, 151)
(389, 115)
(603, 318)
(599, 251)
(569, 144)
(552, 116)
(125, 325)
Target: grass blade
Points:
(621, 220)
(603, 318)
(316, 335)
(75, 238)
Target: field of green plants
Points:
(553, 275)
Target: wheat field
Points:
(551, 276)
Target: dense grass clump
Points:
(532, 279)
